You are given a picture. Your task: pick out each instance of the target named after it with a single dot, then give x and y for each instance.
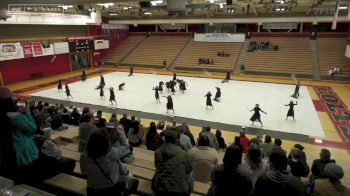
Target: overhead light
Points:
(280, 9)
(221, 5)
(125, 8)
(147, 13)
(113, 14)
(211, 1)
(343, 7)
(106, 5)
(280, 1)
(318, 141)
(65, 7)
(154, 3)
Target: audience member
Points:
(277, 144)
(189, 134)
(86, 128)
(102, 166)
(203, 158)
(213, 142)
(99, 120)
(221, 141)
(332, 185)
(134, 135)
(277, 181)
(237, 142)
(253, 162)
(267, 145)
(297, 167)
(318, 165)
(244, 141)
(173, 169)
(229, 177)
(184, 140)
(126, 123)
(153, 139)
(75, 117)
(66, 117)
(114, 119)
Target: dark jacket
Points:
(318, 166)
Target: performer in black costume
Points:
(217, 94)
(182, 85)
(131, 70)
(112, 96)
(102, 81)
(228, 76)
(121, 86)
(291, 109)
(208, 103)
(83, 75)
(169, 104)
(174, 75)
(256, 115)
(160, 86)
(102, 93)
(156, 89)
(59, 86)
(68, 91)
(296, 91)
(172, 86)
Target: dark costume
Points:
(182, 85)
(59, 86)
(131, 71)
(68, 91)
(83, 76)
(112, 95)
(217, 94)
(160, 86)
(256, 115)
(169, 104)
(291, 109)
(227, 77)
(102, 93)
(296, 91)
(208, 103)
(121, 86)
(174, 76)
(156, 93)
(102, 81)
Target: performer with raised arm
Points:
(208, 103)
(156, 89)
(112, 96)
(256, 115)
(160, 86)
(169, 104)
(59, 86)
(182, 85)
(174, 75)
(131, 70)
(291, 109)
(228, 76)
(121, 86)
(83, 75)
(217, 94)
(296, 91)
(68, 91)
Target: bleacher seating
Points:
(331, 53)
(123, 49)
(209, 50)
(292, 57)
(153, 50)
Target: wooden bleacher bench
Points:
(70, 135)
(68, 183)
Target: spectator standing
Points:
(203, 158)
(173, 169)
(237, 142)
(244, 141)
(229, 177)
(253, 162)
(318, 165)
(153, 139)
(189, 134)
(221, 141)
(277, 145)
(267, 145)
(213, 142)
(126, 123)
(184, 140)
(75, 117)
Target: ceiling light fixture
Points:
(106, 5)
(147, 13)
(343, 7)
(65, 7)
(155, 3)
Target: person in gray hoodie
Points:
(86, 128)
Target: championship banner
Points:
(27, 49)
(114, 26)
(101, 44)
(219, 37)
(172, 26)
(10, 51)
(276, 25)
(37, 48)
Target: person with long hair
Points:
(153, 140)
(253, 162)
(229, 177)
(291, 109)
(208, 102)
(256, 115)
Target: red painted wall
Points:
(20, 69)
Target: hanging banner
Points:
(61, 47)
(280, 25)
(219, 37)
(172, 26)
(101, 44)
(27, 49)
(37, 48)
(10, 51)
(115, 26)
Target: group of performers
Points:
(170, 85)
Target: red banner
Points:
(37, 48)
(27, 49)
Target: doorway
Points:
(79, 60)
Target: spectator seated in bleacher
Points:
(99, 120)
(318, 165)
(332, 185)
(230, 177)
(86, 128)
(263, 46)
(102, 166)
(153, 139)
(134, 134)
(297, 166)
(184, 140)
(213, 142)
(222, 54)
(205, 61)
(173, 175)
(277, 180)
(221, 141)
(75, 117)
(203, 159)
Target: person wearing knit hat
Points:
(5, 93)
(332, 185)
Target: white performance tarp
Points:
(219, 37)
